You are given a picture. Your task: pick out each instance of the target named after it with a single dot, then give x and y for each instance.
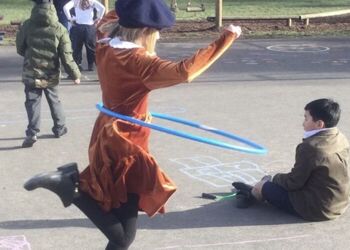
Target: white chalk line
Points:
(47, 111)
(298, 48)
(236, 242)
(22, 115)
(215, 173)
(48, 119)
(18, 242)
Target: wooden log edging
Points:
(306, 18)
(288, 19)
(2, 33)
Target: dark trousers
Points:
(277, 196)
(33, 108)
(118, 225)
(62, 18)
(83, 35)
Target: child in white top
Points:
(83, 32)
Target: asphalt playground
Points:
(257, 90)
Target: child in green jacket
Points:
(44, 43)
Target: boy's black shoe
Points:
(60, 133)
(242, 186)
(29, 141)
(244, 199)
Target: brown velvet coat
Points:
(120, 161)
(319, 183)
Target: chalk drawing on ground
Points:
(17, 242)
(298, 48)
(218, 174)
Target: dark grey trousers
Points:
(33, 108)
(80, 35)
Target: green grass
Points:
(15, 10)
(284, 34)
(261, 8)
(19, 10)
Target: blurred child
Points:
(62, 18)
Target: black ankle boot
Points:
(242, 186)
(244, 199)
(62, 182)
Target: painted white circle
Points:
(298, 48)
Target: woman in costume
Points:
(123, 177)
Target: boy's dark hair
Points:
(326, 110)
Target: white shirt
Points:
(84, 16)
(310, 133)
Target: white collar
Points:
(117, 43)
(310, 133)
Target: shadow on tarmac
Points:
(219, 214)
(214, 214)
(40, 224)
(43, 136)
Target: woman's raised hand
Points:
(234, 29)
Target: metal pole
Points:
(106, 4)
(218, 14)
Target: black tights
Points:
(118, 225)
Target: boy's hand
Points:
(234, 29)
(77, 81)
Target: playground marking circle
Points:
(297, 48)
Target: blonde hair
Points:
(149, 36)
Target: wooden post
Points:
(307, 21)
(218, 14)
(173, 6)
(106, 4)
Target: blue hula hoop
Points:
(254, 147)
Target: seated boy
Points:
(317, 188)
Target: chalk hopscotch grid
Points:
(18, 242)
(218, 174)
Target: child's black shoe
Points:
(242, 186)
(29, 141)
(61, 132)
(244, 199)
